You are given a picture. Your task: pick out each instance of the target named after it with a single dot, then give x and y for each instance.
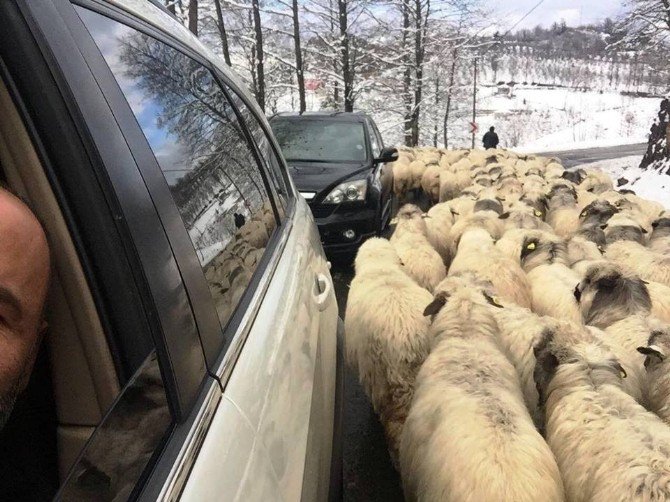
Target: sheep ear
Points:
(603, 227)
(436, 305)
(644, 230)
(504, 216)
(455, 213)
(622, 372)
(652, 351)
(492, 300)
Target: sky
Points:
(575, 12)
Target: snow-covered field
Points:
(649, 184)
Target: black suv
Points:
(338, 162)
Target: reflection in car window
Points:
(320, 140)
(272, 163)
(121, 447)
(202, 150)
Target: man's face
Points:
(24, 278)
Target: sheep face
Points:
(568, 349)
(624, 230)
(562, 195)
(538, 202)
(575, 177)
(657, 349)
(594, 234)
(534, 248)
(489, 205)
(608, 294)
(661, 228)
(597, 212)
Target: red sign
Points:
(474, 127)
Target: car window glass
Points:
(374, 141)
(320, 140)
(122, 446)
(272, 163)
(202, 150)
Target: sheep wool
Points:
(608, 447)
(386, 333)
(644, 262)
(468, 436)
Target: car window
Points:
(374, 141)
(320, 140)
(202, 150)
(121, 447)
(272, 163)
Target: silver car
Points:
(193, 349)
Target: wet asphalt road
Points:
(368, 473)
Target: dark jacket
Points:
(491, 140)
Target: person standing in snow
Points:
(491, 139)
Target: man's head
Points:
(492, 129)
(24, 281)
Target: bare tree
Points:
(222, 31)
(260, 69)
(193, 16)
(347, 71)
(299, 68)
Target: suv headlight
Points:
(350, 191)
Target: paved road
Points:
(368, 473)
(577, 157)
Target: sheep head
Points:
(533, 248)
(608, 294)
(624, 229)
(462, 287)
(657, 348)
(410, 219)
(376, 252)
(597, 212)
(566, 348)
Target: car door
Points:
(271, 343)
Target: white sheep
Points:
(659, 241)
(563, 213)
(439, 221)
(644, 262)
(477, 253)
(618, 302)
(421, 261)
(430, 182)
(608, 447)
(552, 282)
(386, 333)
(468, 436)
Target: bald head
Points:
(24, 280)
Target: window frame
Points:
(215, 338)
(87, 175)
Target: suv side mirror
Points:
(388, 154)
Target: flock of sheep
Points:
(513, 338)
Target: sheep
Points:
(660, 300)
(521, 215)
(586, 245)
(387, 335)
(462, 206)
(422, 262)
(658, 377)
(451, 157)
(597, 182)
(597, 213)
(618, 302)
(430, 182)
(478, 254)
(659, 241)
(417, 169)
(402, 179)
(622, 228)
(553, 170)
(544, 258)
(608, 447)
(452, 183)
(563, 214)
(575, 177)
(468, 435)
(649, 265)
(519, 331)
(536, 199)
(488, 220)
(439, 221)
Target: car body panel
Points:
(283, 383)
(321, 177)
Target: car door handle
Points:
(323, 286)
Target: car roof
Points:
(325, 115)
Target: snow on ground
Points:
(648, 184)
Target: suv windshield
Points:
(320, 140)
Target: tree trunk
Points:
(407, 77)
(347, 75)
(222, 31)
(450, 90)
(298, 57)
(170, 6)
(260, 70)
(437, 106)
(193, 17)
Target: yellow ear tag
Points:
(538, 213)
(531, 246)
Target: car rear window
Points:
(320, 140)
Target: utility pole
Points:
(474, 107)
